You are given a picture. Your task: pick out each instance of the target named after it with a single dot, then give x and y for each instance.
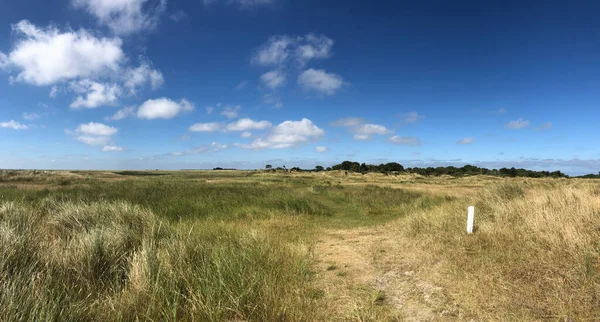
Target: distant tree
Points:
(393, 166)
(328, 169)
(319, 168)
(268, 167)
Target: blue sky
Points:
(171, 84)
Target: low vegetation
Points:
(263, 246)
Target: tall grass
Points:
(534, 256)
(115, 261)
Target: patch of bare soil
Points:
(365, 276)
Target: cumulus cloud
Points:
(273, 79)
(545, 126)
(321, 149)
(279, 50)
(163, 108)
(406, 140)
(275, 52)
(97, 94)
(313, 47)
(93, 133)
(361, 130)
(287, 134)
(317, 80)
(124, 17)
(518, 124)
(246, 124)
(125, 112)
(412, 117)
(139, 76)
(98, 129)
(366, 131)
(205, 127)
(13, 125)
(30, 116)
(466, 141)
(209, 110)
(231, 111)
(112, 148)
(45, 56)
(246, 135)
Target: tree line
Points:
(467, 170)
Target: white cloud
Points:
(406, 140)
(53, 92)
(47, 56)
(209, 110)
(246, 124)
(275, 52)
(314, 47)
(93, 133)
(502, 110)
(122, 113)
(361, 130)
(366, 131)
(205, 127)
(545, 126)
(466, 141)
(287, 134)
(320, 81)
(279, 50)
(412, 117)
(348, 121)
(246, 135)
(98, 129)
(139, 76)
(518, 124)
(31, 116)
(273, 79)
(321, 149)
(13, 125)
(112, 148)
(231, 111)
(163, 108)
(124, 16)
(98, 94)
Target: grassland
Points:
(254, 246)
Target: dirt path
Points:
(365, 276)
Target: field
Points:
(258, 246)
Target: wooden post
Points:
(470, 219)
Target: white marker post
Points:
(470, 219)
